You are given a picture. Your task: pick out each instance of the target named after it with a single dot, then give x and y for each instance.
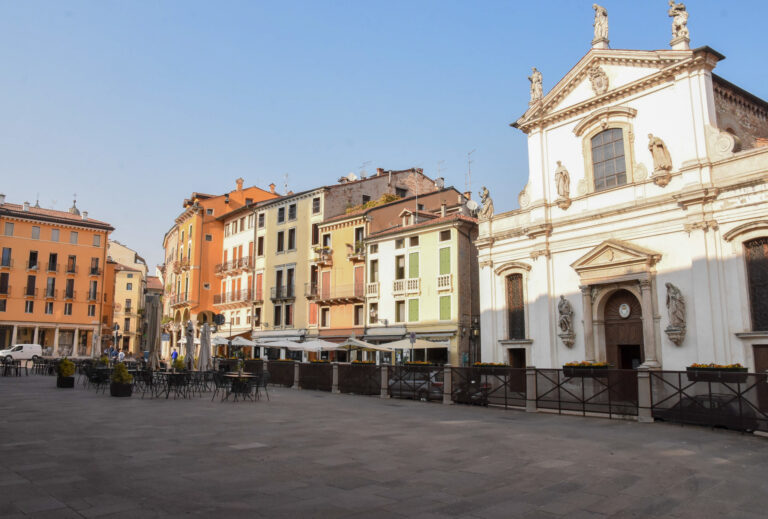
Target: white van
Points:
(22, 352)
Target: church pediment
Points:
(604, 76)
(614, 258)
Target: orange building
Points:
(194, 243)
(52, 278)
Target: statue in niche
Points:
(563, 183)
(565, 321)
(536, 85)
(486, 211)
(662, 161)
(601, 23)
(676, 310)
(679, 20)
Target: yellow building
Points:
(128, 307)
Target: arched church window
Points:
(608, 164)
(756, 252)
(515, 306)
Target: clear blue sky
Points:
(135, 104)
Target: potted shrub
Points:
(734, 373)
(65, 373)
(121, 381)
(178, 364)
(585, 369)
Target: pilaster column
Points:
(649, 337)
(75, 343)
(14, 334)
(35, 336)
(589, 336)
(55, 342)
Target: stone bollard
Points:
(335, 378)
(384, 382)
(530, 389)
(296, 382)
(644, 414)
(447, 387)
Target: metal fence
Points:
(316, 375)
(416, 382)
(281, 373)
(254, 366)
(604, 391)
(360, 379)
(719, 399)
(500, 386)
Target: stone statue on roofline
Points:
(679, 22)
(536, 85)
(486, 211)
(601, 27)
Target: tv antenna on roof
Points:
(363, 172)
(468, 180)
(285, 185)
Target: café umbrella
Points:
(204, 362)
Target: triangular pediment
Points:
(615, 254)
(624, 71)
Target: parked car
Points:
(22, 352)
(715, 410)
(419, 385)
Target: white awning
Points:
(419, 344)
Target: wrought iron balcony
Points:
(32, 265)
(94, 271)
(52, 267)
(30, 291)
(5, 290)
(282, 293)
(236, 296)
(72, 269)
(341, 294)
(70, 294)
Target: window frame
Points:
(628, 137)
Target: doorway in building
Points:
(517, 378)
(623, 331)
(516, 357)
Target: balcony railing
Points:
(5, 291)
(236, 296)
(180, 299)
(283, 292)
(7, 263)
(406, 286)
(94, 271)
(70, 294)
(51, 293)
(258, 296)
(356, 253)
(323, 256)
(93, 296)
(340, 294)
(185, 264)
(372, 289)
(444, 282)
(245, 262)
(32, 265)
(72, 269)
(311, 290)
(52, 267)
(30, 291)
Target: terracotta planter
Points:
(120, 390)
(65, 382)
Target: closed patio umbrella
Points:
(204, 362)
(189, 356)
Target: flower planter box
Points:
(730, 375)
(65, 382)
(585, 371)
(120, 390)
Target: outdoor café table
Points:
(240, 385)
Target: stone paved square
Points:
(75, 453)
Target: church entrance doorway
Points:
(623, 331)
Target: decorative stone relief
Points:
(721, 145)
(676, 310)
(581, 187)
(486, 211)
(536, 85)
(599, 80)
(523, 198)
(563, 182)
(662, 161)
(641, 172)
(565, 321)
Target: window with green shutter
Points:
(445, 308)
(413, 265)
(413, 310)
(445, 260)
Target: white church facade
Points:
(642, 233)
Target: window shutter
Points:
(445, 260)
(413, 265)
(413, 310)
(445, 308)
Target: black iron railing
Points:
(360, 379)
(416, 382)
(316, 375)
(500, 386)
(606, 391)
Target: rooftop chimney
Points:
(442, 208)
(379, 171)
(272, 188)
(26, 206)
(85, 215)
(239, 183)
(226, 198)
(2, 199)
